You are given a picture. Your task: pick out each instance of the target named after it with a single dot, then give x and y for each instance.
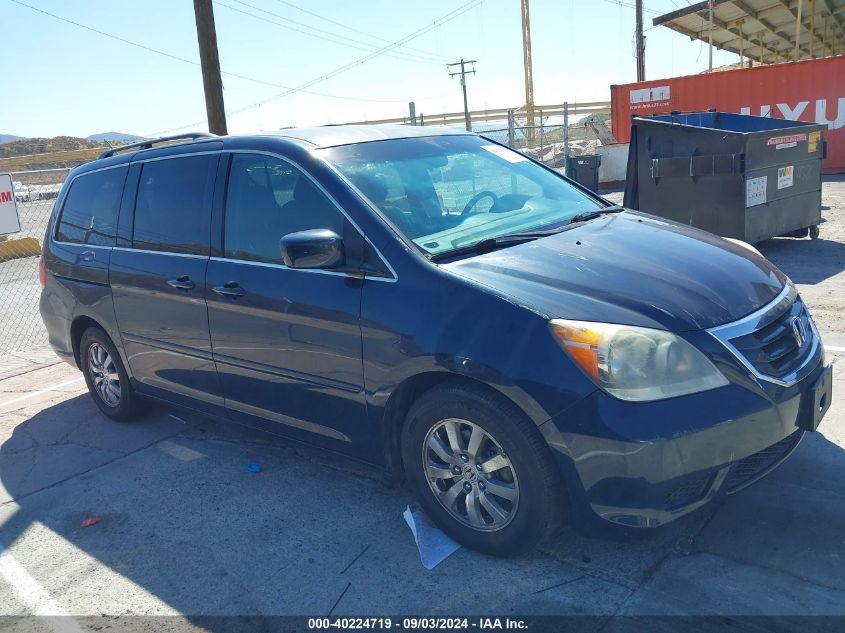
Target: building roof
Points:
(332, 135)
(766, 28)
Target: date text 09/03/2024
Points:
(417, 624)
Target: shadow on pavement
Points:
(185, 527)
(806, 261)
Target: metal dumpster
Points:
(585, 170)
(735, 175)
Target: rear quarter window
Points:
(89, 213)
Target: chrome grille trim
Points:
(760, 318)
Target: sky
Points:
(71, 79)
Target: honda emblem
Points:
(799, 330)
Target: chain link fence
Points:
(21, 328)
(552, 137)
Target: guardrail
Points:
(61, 159)
(496, 114)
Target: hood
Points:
(632, 269)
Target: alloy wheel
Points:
(470, 474)
(103, 373)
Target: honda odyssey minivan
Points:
(433, 303)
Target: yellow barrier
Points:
(22, 247)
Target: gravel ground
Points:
(817, 266)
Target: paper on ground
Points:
(434, 545)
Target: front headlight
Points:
(636, 363)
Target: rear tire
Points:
(107, 380)
(481, 470)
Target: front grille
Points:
(782, 345)
(747, 470)
(688, 492)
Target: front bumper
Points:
(645, 464)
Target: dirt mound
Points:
(31, 146)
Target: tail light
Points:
(42, 272)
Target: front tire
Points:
(106, 377)
(482, 470)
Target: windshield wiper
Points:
(493, 243)
(595, 213)
(512, 239)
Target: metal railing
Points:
(496, 114)
(552, 138)
(557, 131)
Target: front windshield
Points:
(451, 192)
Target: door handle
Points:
(87, 256)
(182, 282)
(230, 289)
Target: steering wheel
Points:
(477, 198)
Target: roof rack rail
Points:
(155, 141)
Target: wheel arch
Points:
(82, 322)
(77, 328)
(407, 392)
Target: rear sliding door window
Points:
(172, 208)
(89, 215)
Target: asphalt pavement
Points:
(185, 529)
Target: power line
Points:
(184, 60)
(419, 32)
(363, 60)
(359, 31)
(630, 5)
(326, 36)
(104, 34)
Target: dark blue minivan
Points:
(441, 306)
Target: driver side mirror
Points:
(314, 248)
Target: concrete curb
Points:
(22, 361)
(22, 247)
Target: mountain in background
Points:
(29, 146)
(115, 137)
(8, 138)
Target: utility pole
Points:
(211, 81)
(529, 74)
(710, 34)
(640, 43)
(463, 72)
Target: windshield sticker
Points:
(785, 176)
(503, 152)
(755, 191)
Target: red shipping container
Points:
(811, 90)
